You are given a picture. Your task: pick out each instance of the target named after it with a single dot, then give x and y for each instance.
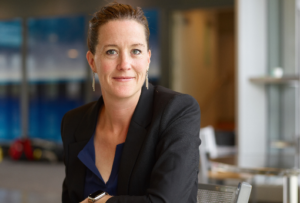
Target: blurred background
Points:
(238, 58)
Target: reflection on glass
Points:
(282, 103)
(56, 70)
(152, 16)
(10, 78)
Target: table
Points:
(274, 165)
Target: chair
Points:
(207, 135)
(209, 146)
(224, 194)
(206, 175)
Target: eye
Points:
(111, 52)
(136, 52)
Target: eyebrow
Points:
(113, 45)
(110, 45)
(138, 44)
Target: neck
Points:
(116, 114)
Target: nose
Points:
(124, 62)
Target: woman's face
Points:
(121, 59)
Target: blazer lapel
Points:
(83, 134)
(87, 127)
(135, 137)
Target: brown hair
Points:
(114, 11)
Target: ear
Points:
(149, 57)
(91, 60)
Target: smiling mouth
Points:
(123, 79)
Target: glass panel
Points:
(282, 97)
(56, 72)
(10, 79)
(288, 37)
(154, 69)
(281, 36)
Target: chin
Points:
(126, 92)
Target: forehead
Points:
(121, 32)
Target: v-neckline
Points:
(115, 166)
(88, 157)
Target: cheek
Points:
(105, 67)
(142, 67)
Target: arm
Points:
(102, 200)
(174, 175)
(65, 195)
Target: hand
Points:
(102, 200)
(84, 201)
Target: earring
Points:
(147, 82)
(93, 84)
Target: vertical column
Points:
(88, 82)
(24, 86)
(164, 41)
(290, 189)
(297, 96)
(251, 98)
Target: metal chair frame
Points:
(208, 193)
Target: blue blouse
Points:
(93, 178)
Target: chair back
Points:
(208, 145)
(207, 136)
(227, 194)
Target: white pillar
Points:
(290, 189)
(251, 61)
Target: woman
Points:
(138, 143)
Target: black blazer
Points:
(160, 158)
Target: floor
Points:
(30, 182)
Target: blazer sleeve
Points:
(65, 195)
(174, 176)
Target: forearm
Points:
(102, 200)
